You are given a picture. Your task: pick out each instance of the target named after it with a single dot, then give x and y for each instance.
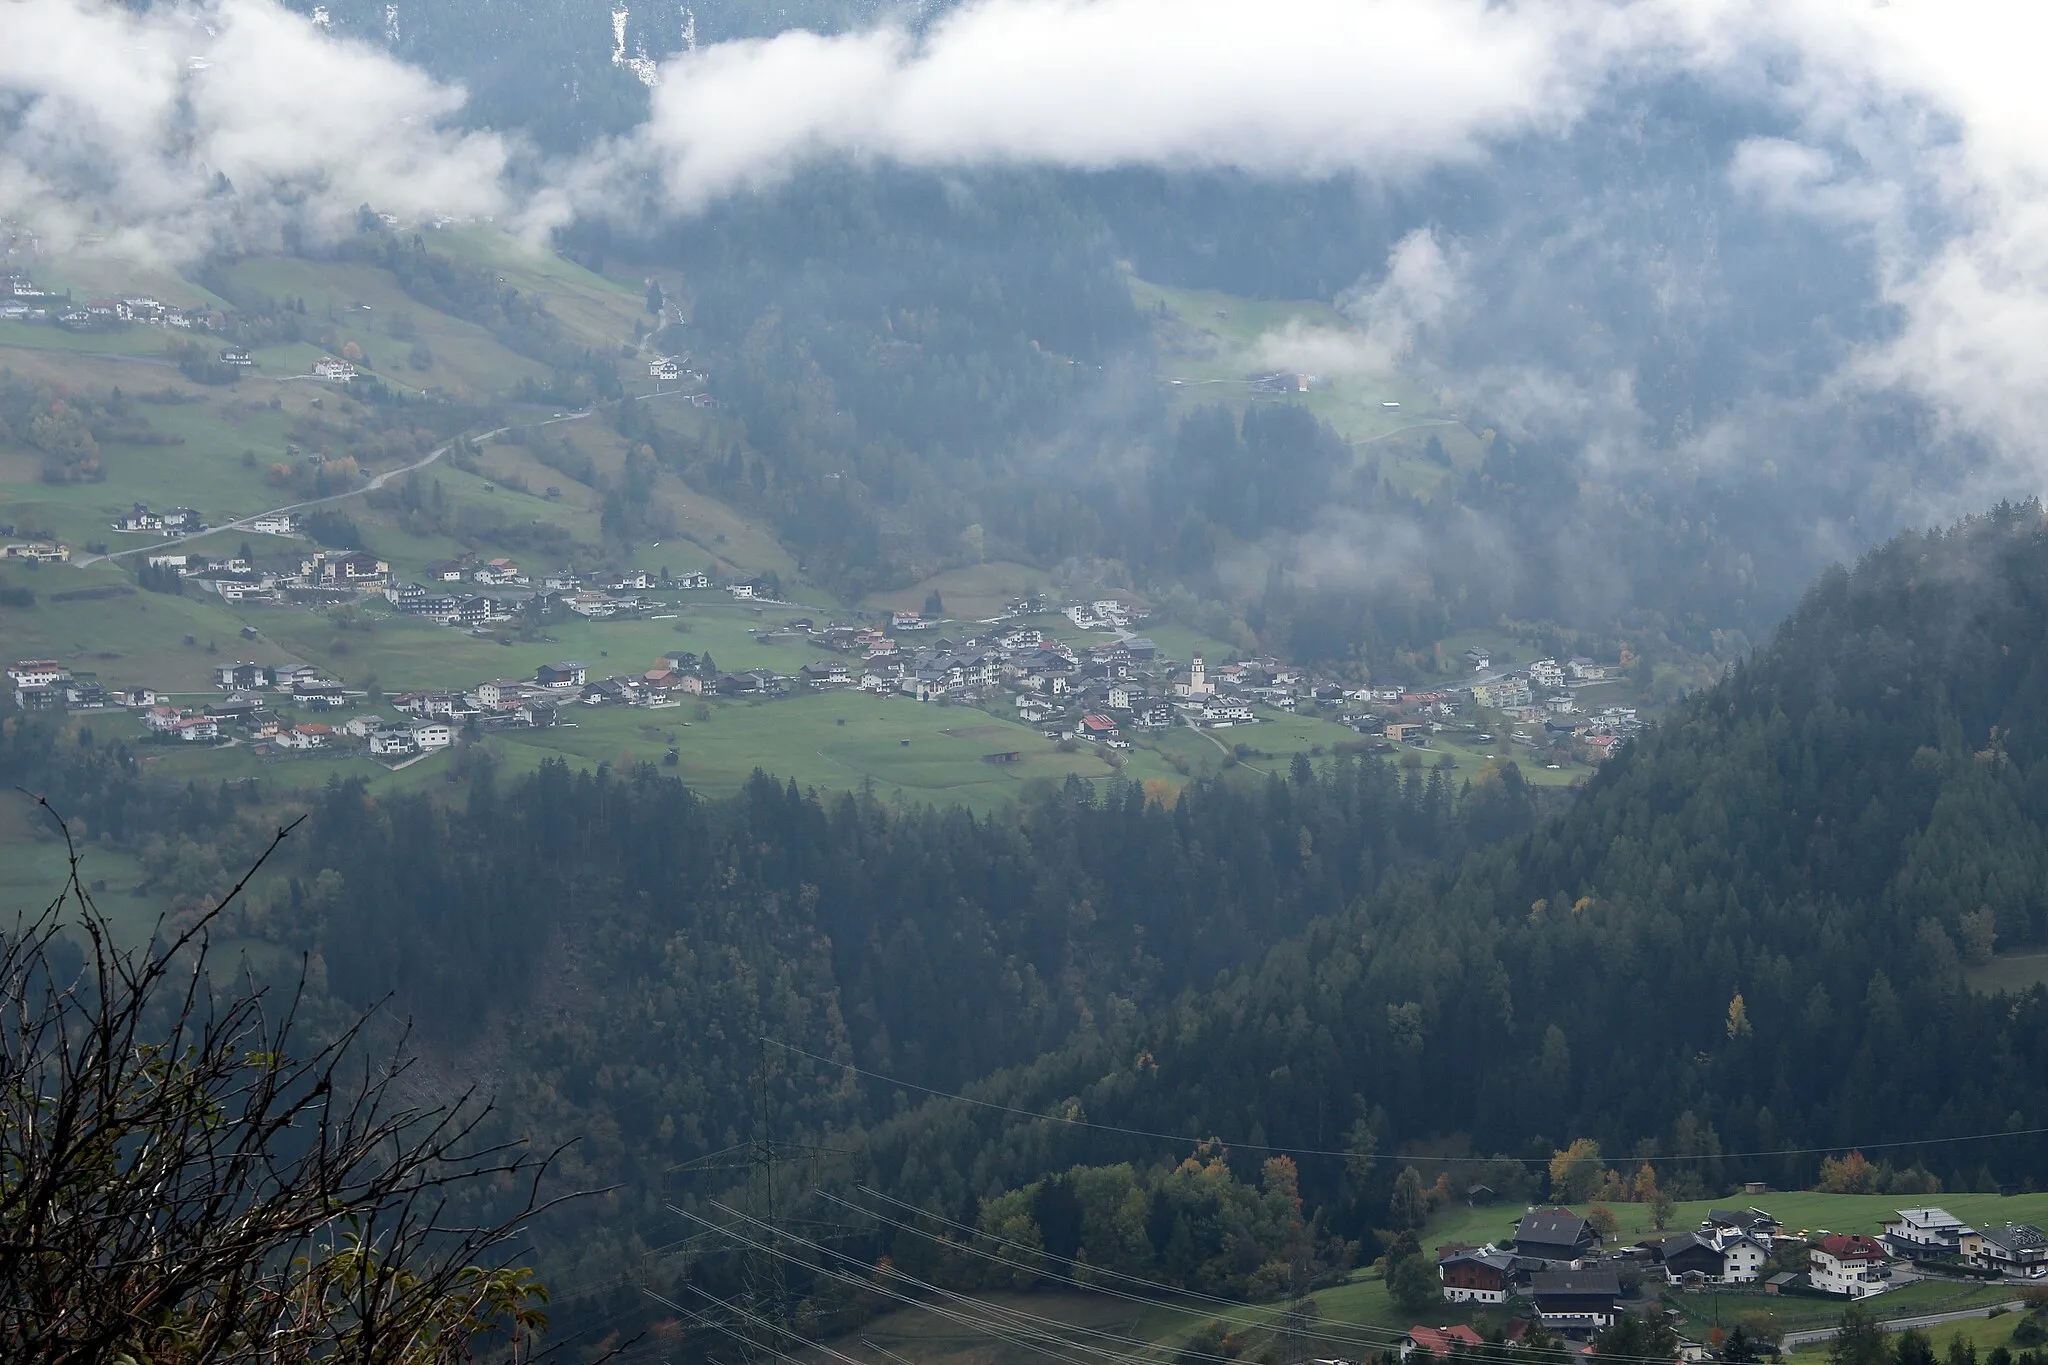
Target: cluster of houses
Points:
(22, 300)
(179, 521)
(1556, 1259)
(36, 551)
(47, 685)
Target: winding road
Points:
(378, 481)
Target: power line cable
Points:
(998, 1311)
(1354, 1333)
(992, 1324)
(1409, 1158)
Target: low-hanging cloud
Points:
(1298, 87)
(179, 129)
(1915, 124)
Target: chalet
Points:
(389, 743)
(305, 737)
(1157, 716)
(240, 359)
(1585, 670)
(822, 675)
(37, 673)
(691, 580)
(239, 708)
(1576, 1301)
(1921, 1233)
(1441, 1341)
(353, 566)
(500, 693)
(332, 370)
(445, 571)
(568, 673)
(84, 693)
(1753, 1221)
(1851, 1266)
(319, 693)
(428, 735)
(475, 611)
(1097, 727)
(1475, 1275)
(141, 697)
(407, 597)
(275, 524)
(596, 605)
(2015, 1249)
(139, 518)
(196, 729)
(362, 727)
(1737, 1259)
(243, 677)
(664, 369)
(497, 571)
(742, 591)
(1555, 1234)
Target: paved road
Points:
(378, 482)
(1795, 1340)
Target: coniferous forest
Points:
(1741, 948)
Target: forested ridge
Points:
(1748, 936)
(608, 949)
(1744, 946)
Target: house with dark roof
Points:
(1576, 1301)
(1729, 1258)
(1555, 1234)
(1474, 1274)
(1755, 1222)
(1921, 1233)
(2016, 1249)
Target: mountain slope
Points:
(1827, 835)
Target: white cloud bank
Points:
(136, 115)
(1911, 113)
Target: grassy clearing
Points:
(2014, 973)
(361, 303)
(830, 741)
(34, 867)
(1212, 343)
(597, 309)
(974, 592)
(136, 639)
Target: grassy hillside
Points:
(1212, 345)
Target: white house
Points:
(37, 673)
(1742, 1259)
(1546, 673)
(275, 524)
(333, 370)
(305, 737)
(1847, 1265)
(362, 727)
(386, 742)
(1925, 1232)
(432, 734)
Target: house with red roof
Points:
(1852, 1266)
(1440, 1341)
